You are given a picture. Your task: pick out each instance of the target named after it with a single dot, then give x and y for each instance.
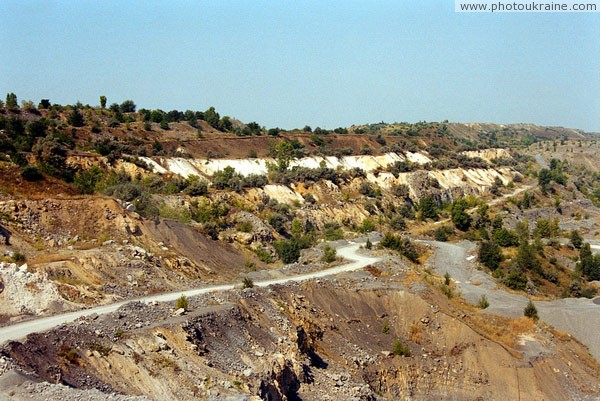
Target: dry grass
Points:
(521, 325)
(373, 270)
(416, 333)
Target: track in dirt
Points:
(20, 330)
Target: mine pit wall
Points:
(453, 183)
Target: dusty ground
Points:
(329, 339)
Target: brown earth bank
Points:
(358, 337)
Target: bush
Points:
(531, 311)
(263, 255)
(398, 223)
(516, 280)
(182, 302)
(332, 232)
(385, 329)
(404, 246)
(329, 254)
(490, 255)
(197, 188)
(247, 283)
(398, 348)
(368, 244)
(576, 239)
(427, 208)
(483, 302)
(287, 250)
(442, 233)
(85, 181)
(31, 173)
(460, 217)
(367, 226)
(18, 257)
(505, 238)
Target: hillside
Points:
(464, 223)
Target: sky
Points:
(291, 63)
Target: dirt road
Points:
(578, 316)
(18, 331)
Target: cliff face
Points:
(444, 185)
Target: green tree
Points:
(515, 280)
(182, 302)
(156, 116)
(460, 217)
(285, 152)
(526, 258)
(44, 104)
(85, 181)
(225, 124)
(287, 250)
(505, 238)
(544, 178)
(11, 102)
(576, 239)
(329, 254)
(128, 106)
(212, 117)
(531, 311)
(427, 208)
(50, 154)
(103, 102)
(589, 264)
(490, 254)
(76, 118)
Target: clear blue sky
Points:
(323, 63)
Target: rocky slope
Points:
(328, 340)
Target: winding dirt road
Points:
(20, 330)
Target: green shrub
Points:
(460, 217)
(18, 257)
(247, 283)
(197, 188)
(367, 226)
(329, 254)
(332, 232)
(427, 208)
(244, 226)
(505, 238)
(483, 302)
(398, 348)
(447, 290)
(263, 255)
(515, 280)
(531, 311)
(182, 302)
(287, 250)
(490, 254)
(443, 233)
(85, 181)
(31, 173)
(404, 246)
(385, 329)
